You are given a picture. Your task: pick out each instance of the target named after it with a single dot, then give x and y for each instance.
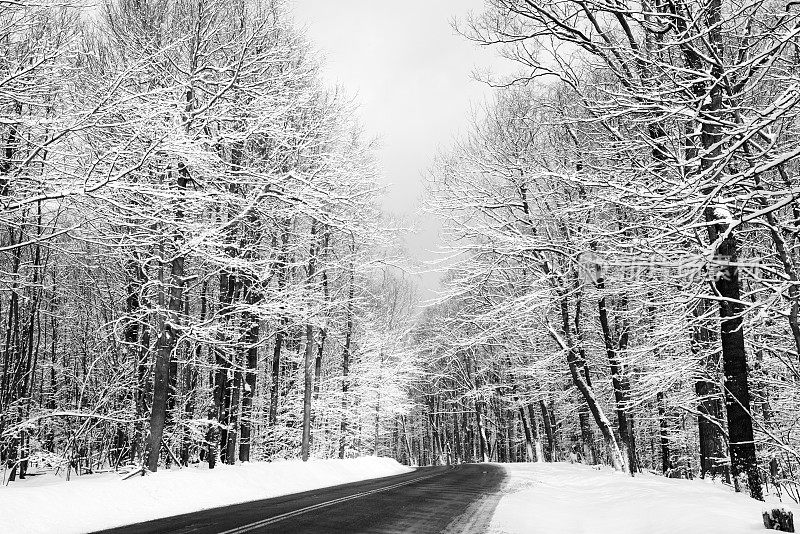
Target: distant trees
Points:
(630, 195)
(192, 243)
(47, 165)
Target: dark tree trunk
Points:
(726, 282)
(511, 435)
(130, 337)
(577, 368)
(166, 341)
(251, 326)
(548, 431)
(323, 333)
(346, 357)
(483, 442)
(159, 406)
(587, 438)
(234, 416)
(308, 367)
(537, 440)
(220, 424)
(529, 450)
(308, 373)
(274, 392)
(709, 419)
(734, 363)
(663, 431)
(458, 456)
(618, 382)
(192, 375)
(274, 395)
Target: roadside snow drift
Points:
(48, 504)
(578, 499)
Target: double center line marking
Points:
(270, 520)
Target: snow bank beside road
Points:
(47, 504)
(577, 499)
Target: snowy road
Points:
(433, 499)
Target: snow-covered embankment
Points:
(577, 499)
(48, 504)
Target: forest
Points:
(196, 267)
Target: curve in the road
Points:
(429, 500)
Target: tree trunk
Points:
(161, 378)
(377, 422)
(308, 373)
(130, 337)
(279, 339)
(664, 432)
(726, 282)
(323, 332)
(159, 406)
(223, 356)
(234, 398)
(346, 357)
(577, 369)
(308, 368)
(548, 431)
(167, 338)
(537, 440)
(734, 362)
(587, 437)
(457, 447)
(252, 328)
(274, 391)
(529, 450)
(709, 419)
(483, 442)
(618, 382)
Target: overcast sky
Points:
(412, 75)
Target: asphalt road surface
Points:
(428, 500)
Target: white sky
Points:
(412, 75)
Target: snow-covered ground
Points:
(537, 498)
(577, 499)
(47, 504)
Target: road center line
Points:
(281, 517)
